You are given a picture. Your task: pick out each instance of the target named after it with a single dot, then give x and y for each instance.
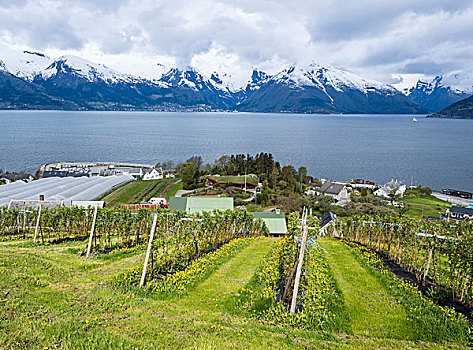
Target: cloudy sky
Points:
(392, 41)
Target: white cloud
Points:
(379, 39)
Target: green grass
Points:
(52, 298)
(370, 308)
(212, 292)
(172, 190)
(432, 206)
(239, 179)
(135, 192)
(426, 320)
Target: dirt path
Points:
(163, 192)
(372, 311)
(11, 242)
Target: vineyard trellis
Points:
(125, 227)
(438, 253)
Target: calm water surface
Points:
(432, 152)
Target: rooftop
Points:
(461, 210)
(200, 204)
(276, 223)
(331, 188)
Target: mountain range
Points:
(441, 92)
(31, 80)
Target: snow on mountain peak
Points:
(457, 82)
(189, 77)
(86, 69)
(196, 80)
(314, 74)
(257, 78)
(23, 64)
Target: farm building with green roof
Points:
(276, 223)
(200, 204)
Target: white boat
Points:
(414, 119)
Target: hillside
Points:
(324, 89)
(460, 110)
(15, 93)
(439, 93)
(71, 82)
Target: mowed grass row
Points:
(135, 192)
(428, 205)
(371, 310)
(51, 298)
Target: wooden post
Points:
(37, 224)
(145, 266)
(299, 266)
(426, 272)
(24, 223)
(92, 229)
(288, 283)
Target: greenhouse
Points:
(66, 189)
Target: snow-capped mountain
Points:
(328, 77)
(311, 88)
(314, 88)
(189, 78)
(92, 72)
(23, 64)
(258, 79)
(441, 91)
(17, 93)
(213, 89)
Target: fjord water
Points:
(432, 152)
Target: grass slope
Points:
(432, 206)
(53, 299)
(135, 192)
(238, 179)
(229, 280)
(172, 190)
(372, 311)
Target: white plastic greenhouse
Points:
(65, 189)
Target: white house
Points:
(153, 174)
(335, 190)
(392, 186)
(381, 192)
(135, 172)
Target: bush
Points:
(239, 202)
(244, 195)
(418, 191)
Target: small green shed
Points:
(200, 204)
(276, 223)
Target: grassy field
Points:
(239, 179)
(372, 311)
(135, 192)
(432, 206)
(52, 298)
(171, 192)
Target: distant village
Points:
(137, 171)
(68, 184)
